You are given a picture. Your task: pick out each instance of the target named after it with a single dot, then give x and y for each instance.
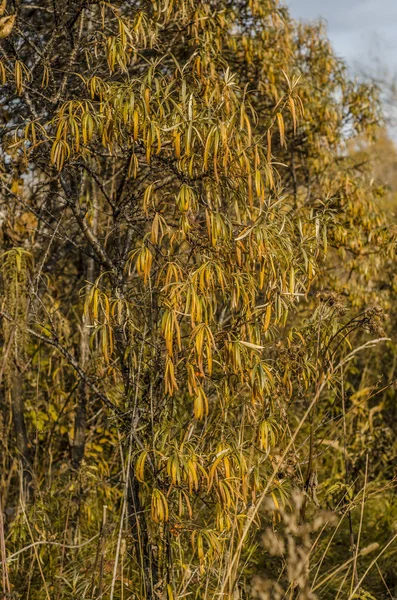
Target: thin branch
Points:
(48, 543)
(66, 354)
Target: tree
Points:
(176, 189)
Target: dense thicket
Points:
(196, 387)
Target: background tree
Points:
(176, 190)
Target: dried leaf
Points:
(6, 26)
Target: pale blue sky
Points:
(362, 31)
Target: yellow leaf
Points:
(267, 317)
(6, 26)
(281, 128)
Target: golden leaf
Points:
(6, 26)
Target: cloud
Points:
(361, 30)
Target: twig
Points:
(54, 342)
(41, 542)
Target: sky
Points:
(364, 32)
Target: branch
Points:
(66, 354)
(49, 543)
(93, 241)
(89, 234)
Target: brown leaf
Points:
(6, 26)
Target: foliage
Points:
(191, 287)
